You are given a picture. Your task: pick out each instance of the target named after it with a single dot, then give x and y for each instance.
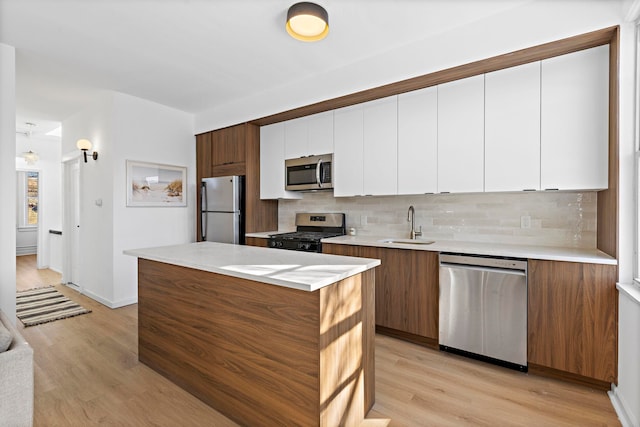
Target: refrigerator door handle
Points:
(203, 214)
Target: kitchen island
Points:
(265, 336)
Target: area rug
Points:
(42, 305)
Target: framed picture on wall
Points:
(153, 184)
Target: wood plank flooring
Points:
(87, 373)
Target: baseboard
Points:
(626, 418)
(108, 303)
(26, 250)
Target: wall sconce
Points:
(85, 146)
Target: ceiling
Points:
(194, 55)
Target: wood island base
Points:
(261, 354)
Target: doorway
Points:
(28, 209)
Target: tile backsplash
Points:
(566, 219)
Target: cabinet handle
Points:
(529, 189)
(550, 189)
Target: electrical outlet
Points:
(525, 221)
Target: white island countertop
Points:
(550, 253)
(292, 269)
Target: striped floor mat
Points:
(42, 305)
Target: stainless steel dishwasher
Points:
(483, 308)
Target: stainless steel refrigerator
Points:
(222, 208)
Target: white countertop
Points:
(292, 269)
(266, 234)
(590, 256)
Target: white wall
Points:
(121, 128)
(95, 122)
(148, 132)
(520, 27)
(8, 179)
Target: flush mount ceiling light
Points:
(307, 21)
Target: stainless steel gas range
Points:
(311, 228)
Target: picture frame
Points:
(156, 185)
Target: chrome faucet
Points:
(411, 217)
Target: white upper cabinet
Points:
(380, 122)
(512, 129)
(574, 122)
(461, 136)
(296, 138)
(272, 173)
(348, 166)
(309, 135)
(418, 141)
(320, 133)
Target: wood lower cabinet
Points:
(573, 313)
(406, 290)
(256, 241)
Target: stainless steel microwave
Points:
(309, 173)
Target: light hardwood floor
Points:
(87, 373)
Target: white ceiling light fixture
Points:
(30, 157)
(307, 22)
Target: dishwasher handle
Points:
(485, 269)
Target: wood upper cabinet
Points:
(243, 142)
(575, 120)
(406, 287)
(418, 141)
(461, 136)
(228, 151)
(203, 155)
(512, 129)
(572, 317)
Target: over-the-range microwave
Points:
(309, 173)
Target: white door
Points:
(71, 222)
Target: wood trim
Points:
(519, 57)
(547, 372)
(406, 336)
(261, 215)
(608, 205)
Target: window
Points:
(28, 198)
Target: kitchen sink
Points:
(408, 241)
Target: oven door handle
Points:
(318, 167)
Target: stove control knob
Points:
(272, 244)
(279, 244)
(304, 246)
